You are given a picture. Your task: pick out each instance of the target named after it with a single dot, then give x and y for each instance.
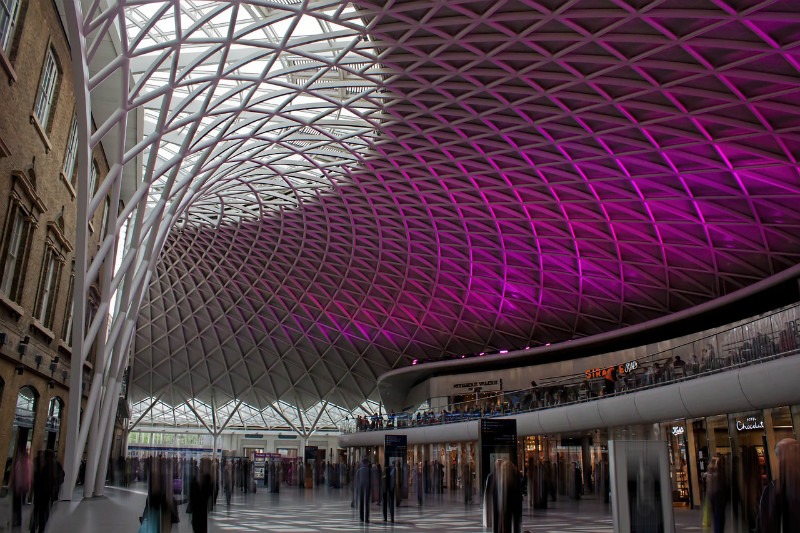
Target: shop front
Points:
(677, 436)
(572, 466)
(741, 445)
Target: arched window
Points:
(21, 428)
(52, 428)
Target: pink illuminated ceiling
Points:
(530, 172)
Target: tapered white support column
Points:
(80, 73)
(92, 456)
(107, 430)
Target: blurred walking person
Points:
(507, 499)
(779, 509)
(363, 489)
(227, 479)
(389, 491)
(45, 488)
(158, 508)
(20, 482)
(200, 496)
(718, 491)
(418, 483)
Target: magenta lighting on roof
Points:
(474, 176)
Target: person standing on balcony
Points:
(610, 381)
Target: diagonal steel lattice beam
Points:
(317, 192)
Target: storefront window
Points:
(748, 467)
(795, 409)
(697, 438)
(676, 436)
(541, 469)
(53, 424)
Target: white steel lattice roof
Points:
(349, 186)
(236, 415)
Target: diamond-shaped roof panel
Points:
(350, 186)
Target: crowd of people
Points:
(173, 482)
(197, 484)
(502, 492)
(34, 481)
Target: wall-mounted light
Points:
(38, 360)
(20, 370)
(51, 384)
(3, 338)
(22, 349)
(64, 375)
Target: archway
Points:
(19, 449)
(52, 428)
(22, 428)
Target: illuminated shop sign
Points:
(473, 386)
(623, 368)
(678, 430)
(749, 423)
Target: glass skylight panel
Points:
(255, 90)
(308, 26)
(281, 27)
(253, 67)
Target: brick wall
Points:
(25, 147)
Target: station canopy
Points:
(354, 185)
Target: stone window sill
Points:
(11, 306)
(42, 133)
(12, 74)
(43, 329)
(63, 347)
(68, 185)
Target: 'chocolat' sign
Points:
(749, 423)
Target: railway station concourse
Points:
(278, 232)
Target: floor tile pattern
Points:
(328, 511)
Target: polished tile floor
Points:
(328, 510)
